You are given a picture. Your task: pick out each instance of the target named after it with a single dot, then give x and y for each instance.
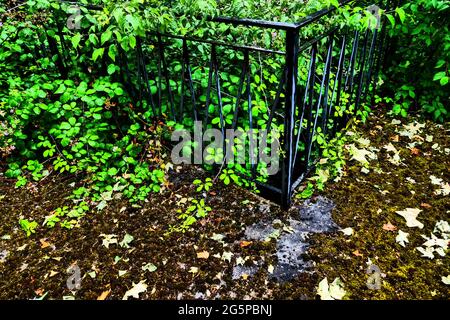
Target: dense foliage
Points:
(418, 77)
(71, 111)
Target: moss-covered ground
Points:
(198, 263)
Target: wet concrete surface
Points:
(292, 238)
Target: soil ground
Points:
(199, 263)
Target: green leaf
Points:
(97, 53)
(401, 14)
(61, 89)
(438, 76)
(106, 36)
(391, 19)
(444, 81)
(118, 91)
(150, 267)
(111, 69)
(112, 52)
(112, 171)
(65, 126)
(76, 40)
(72, 121)
(132, 41)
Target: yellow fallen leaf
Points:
(104, 295)
(53, 273)
(203, 255)
(193, 270)
(44, 243)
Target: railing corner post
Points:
(292, 51)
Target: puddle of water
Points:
(239, 271)
(313, 217)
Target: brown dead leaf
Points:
(389, 227)
(44, 243)
(426, 205)
(356, 253)
(203, 255)
(213, 193)
(395, 138)
(104, 295)
(415, 151)
(53, 273)
(39, 292)
(244, 243)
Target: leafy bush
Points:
(68, 102)
(418, 77)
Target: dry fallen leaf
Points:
(39, 292)
(425, 205)
(136, 290)
(390, 148)
(203, 255)
(53, 273)
(395, 138)
(357, 253)
(347, 231)
(389, 227)
(193, 270)
(410, 215)
(402, 238)
(244, 243)
(44, 243)
(445, 191)
(415, 151)
(333, 291)
(104, 295)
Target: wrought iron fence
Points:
(311, 86)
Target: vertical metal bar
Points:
(145, 75)
(159, 83)
(239, 94)
(208, 90)
(351, 71)
(326, 81)
(309, 142)
(219, 99)
(292, 47)
(338, 84)
(166, 75)
(338, 81)
(370, 63)
(277, 97)
(250, 114)
(191, 82)
(303, 105)
(361, 71)
(183, 78)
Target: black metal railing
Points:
(315, 84)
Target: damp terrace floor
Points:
(247, 248)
